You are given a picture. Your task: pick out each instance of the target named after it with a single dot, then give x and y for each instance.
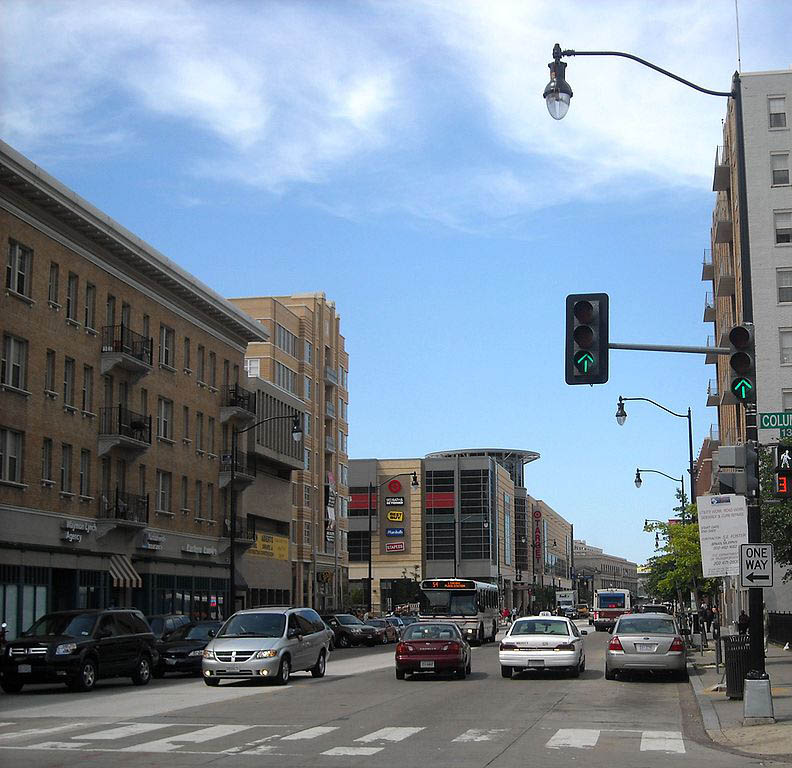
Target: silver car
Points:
(646, 641)
(267, 644)
(542, 642)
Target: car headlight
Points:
(208, 653)
(197, 652)
(358, 630)
(65, 649)
(266, 654)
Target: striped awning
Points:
(123, 572)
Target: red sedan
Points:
(432, 647)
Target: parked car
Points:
(582, 610)
(397, 622)
(388, 633)
(78, 648)
(350, 630)
(654, 608)
(267, 644)
(182, 649)
(542, 642)
(331, 635)
(646, 641)
(164, 623)
(431, 648)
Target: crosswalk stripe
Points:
(365, 751)
(311, 733)
(196, 737)
(579, 738)
(122, 731)
(39, 731)
(58, 745)
(2, 724)
(662, 741)
(481, 734)
(389, 734)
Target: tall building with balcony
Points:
(117, 368)
(305, 357)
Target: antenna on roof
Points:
(737, 19)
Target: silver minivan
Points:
(267, 644)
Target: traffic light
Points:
(738, 470)
(586, 350)
(783, 471)
(742, 362)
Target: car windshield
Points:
(447, 603)
(376, 622)
(157, 625)
(348, 619)
(646, 626)
(194, 631)
(69, 625)
(431, 632)
(254, 625)
(539, 627)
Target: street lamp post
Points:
(639, 482)
(558, 95)
(371, 488)
(297, 436)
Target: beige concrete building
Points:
(305, 357)
(117, 394)
(595, 569)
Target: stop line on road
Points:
(587, 738)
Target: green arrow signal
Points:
(584, 359)
(741, 387)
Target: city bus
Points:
(471, 605)
(609, 604)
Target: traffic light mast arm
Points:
(672, 348)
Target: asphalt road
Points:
(360, 715)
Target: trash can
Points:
(737, 659)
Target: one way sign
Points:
(756, 565)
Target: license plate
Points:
(23, 669)
(645, 647)
(170, 661)
(232, 668)
(427, 665)
(535, 662)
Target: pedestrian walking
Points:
(743, 622)
(513, 614)
(708, 615)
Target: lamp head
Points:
(296, 429)
(621, 414)
(557, 93)
(414, 483)
(638, 480)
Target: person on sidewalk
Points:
(743, 622)
(708, 619)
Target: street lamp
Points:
(296, 436)
(371, 488)
(639, 482)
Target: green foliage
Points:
(776, 515)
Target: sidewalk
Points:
(723, 717)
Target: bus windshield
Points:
(448, 603)
(611, 600)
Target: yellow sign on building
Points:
(395, 516)
(273, 547)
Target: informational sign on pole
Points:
(756, 565)
(723, 527)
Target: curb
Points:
(708, 714)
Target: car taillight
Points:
(566, 647)
(677, 644)
(615, 644)
(507, 647)
(401, 648)
(453, 647)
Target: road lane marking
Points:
(481, 734)
(579, 738)
(172, 743)
(39, 731)
(389, 734)
(58, 745)
(3, 724)
(123, 731)
(662, 741)
(311, 733)
(365, 751)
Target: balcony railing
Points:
(330, 409)
(126, 507)
(119, 339)
(331, 375)
(235, 396)
(713, 398)
(709, 307)
(244, 464)
(119, 420)
(330, 444)
(706, 265)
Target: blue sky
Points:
(399, 157)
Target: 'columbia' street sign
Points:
(780, 421)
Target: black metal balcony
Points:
(243, 469)
(123, 348)
(120, 427)
(238, 404)
(125, 508)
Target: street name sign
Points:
(780, 421)
(756, 565)
(723, 527)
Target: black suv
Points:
(350, 630)
(78, 648)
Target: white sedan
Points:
(542, 642)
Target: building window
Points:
(342, 442)
(14, 363)
(358, 544)
(784, 282)
(285, 378)
(198, 498)
(163, 491)
(786, 347)
(777, 109)
(344, 474)
(10, 455)
(342, 377)
(308, 352)
(46, 459)
(68, 382)
(184, 506)
(786, 400)
(19, 268)
(49, 371)
(53, 290)
(285, 340)
(306, 495)
(306, 533)
(252, 366)
(307, 423)
(72, 289)
(185, 423)
(201, 363)
(342, 410)
(166, 356)
(187, 353)
(783, 227)
(779, 164)
(90, 305)
(165, 418)
(307, 459)
(65, 469)
(212, 369)
(87, 390)
(210, 501)
(85, 473)
(199, 432)
(307, 387)
(211, 434)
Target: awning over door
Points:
(124, 573)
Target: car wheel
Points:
(86, 676)
(399, 674)
(384, 639)
(211, 681)
(142, 673)
(319, 669)
(609, 675)
(343, 642)
(506, 671)
(11, 686)
(284, 671)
